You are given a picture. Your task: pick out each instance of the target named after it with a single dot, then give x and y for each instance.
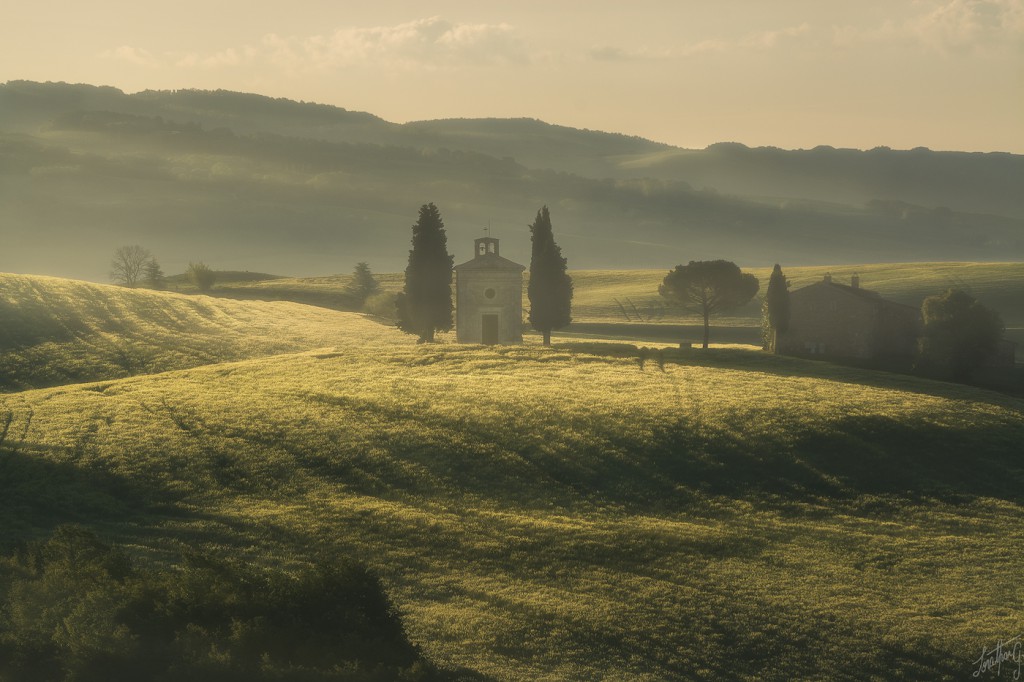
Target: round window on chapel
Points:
(489, 293)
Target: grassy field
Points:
(999, 285)
(587, 511)
(615, 302)
(601, 295)
(58, 331)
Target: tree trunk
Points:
(706, 328)
(547, 337)
(427, 336)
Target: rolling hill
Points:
(576, 512)
(248, 182)
(58, 331)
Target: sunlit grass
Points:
(577, 512)
(58, 331)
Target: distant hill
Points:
(986, 183)
(245, 182)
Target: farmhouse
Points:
(488, 297)
(846, 321)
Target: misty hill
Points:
(248, 182)
(883, 177)
(58, 331)
(566, 512)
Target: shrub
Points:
(201, 275)
(73, 607)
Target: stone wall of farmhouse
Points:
(825, 320)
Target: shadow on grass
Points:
(682, 461)
(859, 455)
(40, 494)
(653, 359)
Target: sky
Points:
(944, 74)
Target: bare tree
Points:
(128, 264)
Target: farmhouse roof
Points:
(864, 294)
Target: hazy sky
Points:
(946, 74)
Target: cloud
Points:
(611, 53)
(770, 39)
(952, 25)
(133, 55)
(970, 24)
(224, 58)
(425, 43)
(760, 41)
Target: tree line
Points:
(959, 334)
(134, 266)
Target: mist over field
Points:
(247, 182)
(268, 441)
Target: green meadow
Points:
(58, 331)
(629, 296)
(584, 511)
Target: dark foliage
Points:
(550, 287)
(960, 334)
(363, 284)
(425, 305)
(74, 608)
(775, 309)
(153, 275)
(708, 287)
(202, 276)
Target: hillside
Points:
(572, 512)
(246, 182)
(600, 296)
(997, 285)
(58, 331)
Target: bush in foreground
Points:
(74, 608)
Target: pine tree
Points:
(363, 284)
(550, 287)
(425, 305)
(775, 309)
(153, 275)
(708, 287)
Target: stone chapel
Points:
(488, 297)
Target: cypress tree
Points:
(363, 284)
(775, 310)
(550, 287)
(425, 305)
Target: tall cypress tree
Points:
(550, 288)
(775, 310)
(425, 306)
